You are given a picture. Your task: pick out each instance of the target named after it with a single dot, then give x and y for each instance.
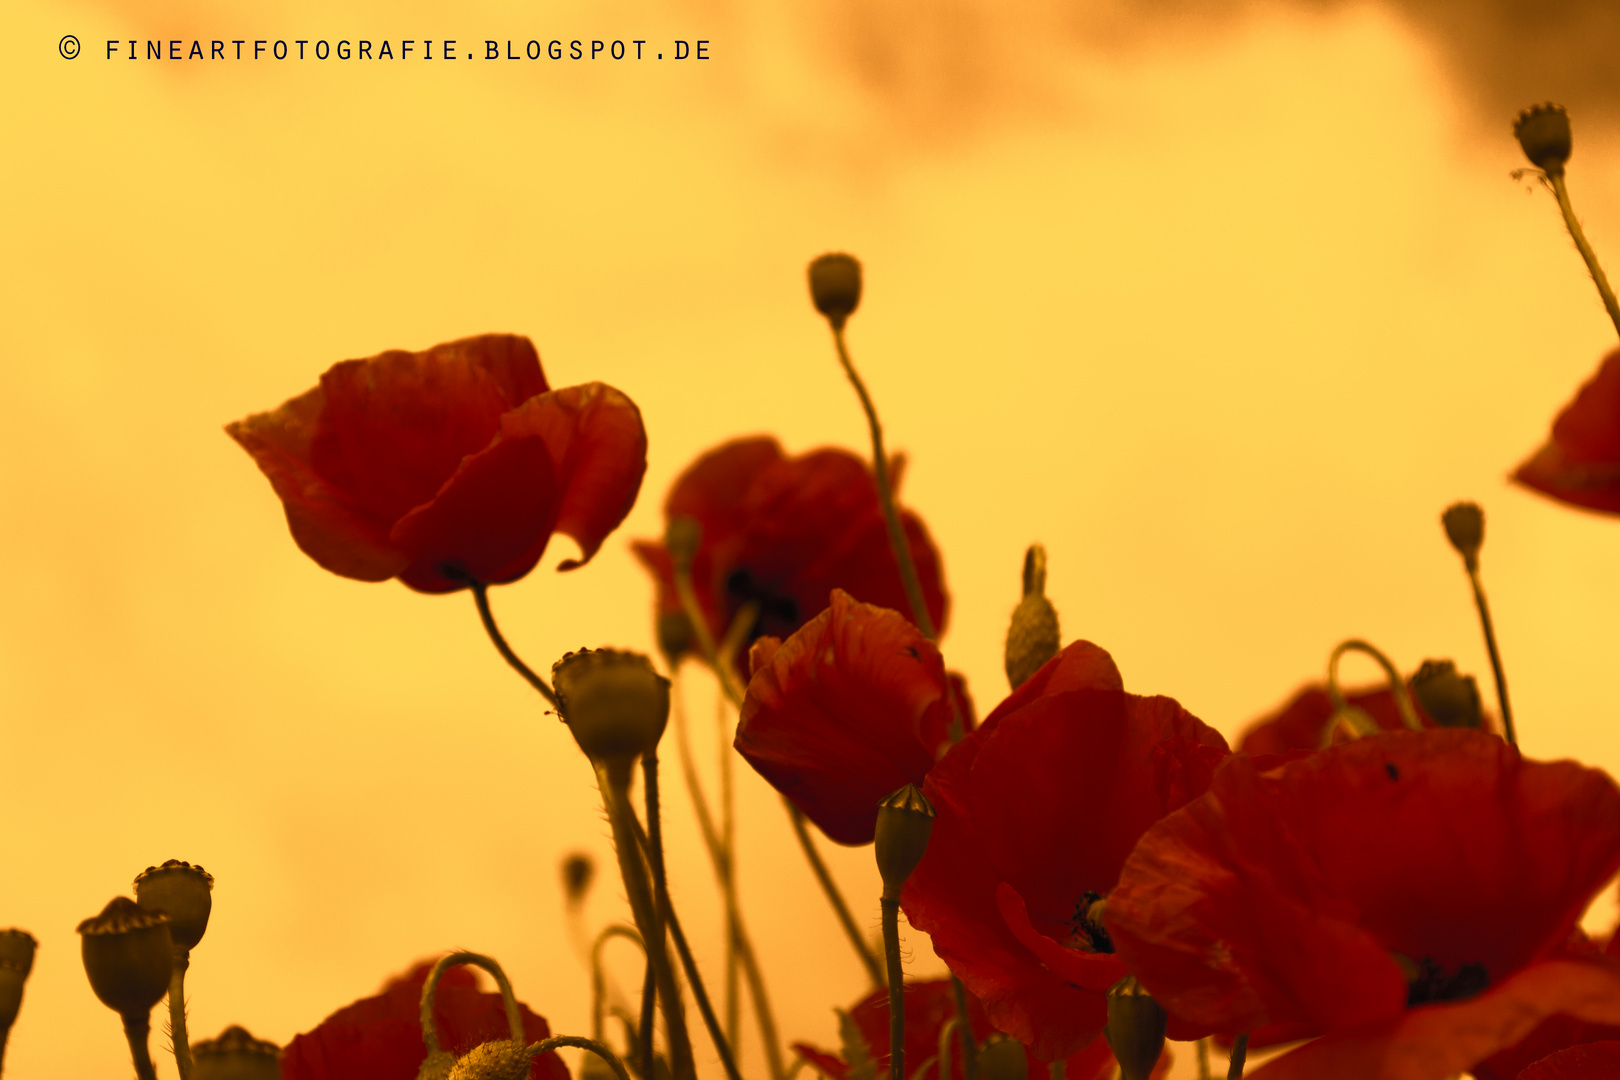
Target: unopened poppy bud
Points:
(128, 955)
(235, 1055)
(181, 891)
(835, 287)
(578, 871)
(904, 821)
(16, 961)
(1450, 699)
(1543, 134)
(1135, 1030)
(614, 702)
(675, 636)
(501, 1059)
(681, 539)
(1033, 637)
(1003, 1059)
(1465, 528)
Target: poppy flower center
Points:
(1086, 927)
(1427, 981)
(778, 614)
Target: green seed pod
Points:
(501, 1059)
(128, 955)
(904, 822)
(181, 891)
(1450, 699)
(1465, 528)
(578, 871)
(1033, 637)
(235, 1055)
(1135, 1031)
(614, 702)
(835, 287)
(1544, 135)
(16, 961)
(1003, 1059)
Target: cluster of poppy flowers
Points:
(1382, 878)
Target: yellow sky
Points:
(1224, 319)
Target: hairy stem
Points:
(593, 1045)
(480, 593)
(897, 989)
(177, 1011)
(1576, 233)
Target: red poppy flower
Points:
(1037, 810)
(929, 1005)
(1580, 464)
(852, 707)
(1593, 1061)
(1554, 1033)
(454, 463)
(1372, 891)
(783, 533)
(1299, 724)
(380, 1038)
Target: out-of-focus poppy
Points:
(1300, 723)
(380, 1038)
(1590, 1061)
(852, 707)
(930, 1005)
(447, 466)
(783, 533)
(1037, 810)
(1556, 1032)
(1407, 894)
(1580, 463)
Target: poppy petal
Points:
(1580, 463)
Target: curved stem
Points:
(943, 1055)
(897, 989)
(1496, 656)
(480, 593)
(1240, 1054)
(599, 977)
(834, 897)
(593, 1045)
(1576, 233)
(891, 514)
(970, 1048)
(1397, 685)
(430, 1030)
(177, 1011)
(138, 1029)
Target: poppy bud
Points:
(128, 955)
(1543, 134)
(1033, 637)
(681, 539)
(1003, 1059)
(16, 961)
(182, 892)
(904, 821)
(1450, 699)
(500, 1059)
(614, 702)
(1465, 528)
(235, 1055)
(1135, 1030)
(835, 287)
(675, 636)
(577, 873)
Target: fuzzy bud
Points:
(1003, 1059)
(1465, 528)
(835, 287)
(16, 961)
(501, 1059)
(1135, 1031)
(1450, 699)
(578, 871)
(675, 636)
(181, 891)
(904, 821)
(128, 955)
(1544, 135)
(235, 1055)
(614, 702)
(1033, 637)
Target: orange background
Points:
(1222, 311)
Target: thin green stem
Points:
(644, 1023)
(1059, 1067)
(430, 1030)
(480, 593)
(1496, 655)
(1397, 685)
(834, 897)
(1240, 1054)
(138, 1030)
(599, 975)
(177, 1011)
(1203, 1059)
(891, 514)
(593, 1045)
(897, 989)
(705, 640)
(970, 1048)
(1576, 233)
(728, 842)
(942, 1056)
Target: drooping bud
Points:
(1003, 1059)
(675, 636)
(835, 287)
(1135, 1031)
(501, 1059)
(235, 1055)
(614, 702)
(1450, 699)
(128, 955)
(681, 539)
(904, 821)
(578, 871)
(1033, 637)
(1544, 135)
(1465, 528)
(16, 961)
(181, 891)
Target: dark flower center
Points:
(1427, 981)
(778, 614)
(1087, 932)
